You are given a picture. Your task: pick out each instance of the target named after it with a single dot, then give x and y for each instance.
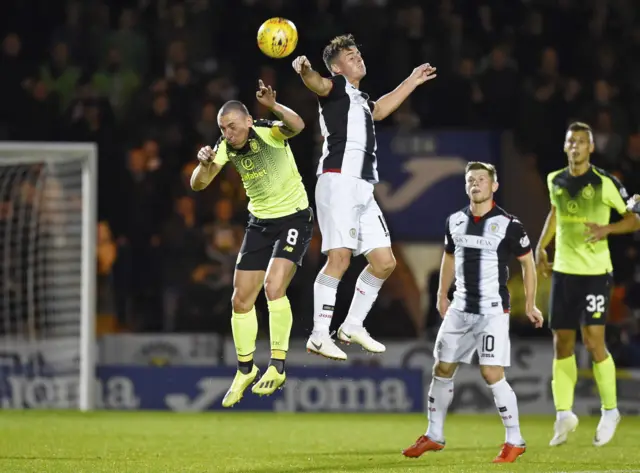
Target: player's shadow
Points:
(367, 462)
(388, 451)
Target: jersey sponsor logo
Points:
(471, 241)
(588, 192)
(524, 241)
(572, 206)
(250, 176)
(247, 164)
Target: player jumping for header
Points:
(582, 197)
(278, 232)
(350, 219)
(479, 241)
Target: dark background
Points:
(144, 80)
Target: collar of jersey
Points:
(573, 184)
(475, 219)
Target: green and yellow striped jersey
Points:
(268, 171)
(577, 200)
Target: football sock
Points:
(565, 375)
(440, 396)
(507, 405)
(324, 300)
(280, 322)
(605, 376)
(245, 330)
(367, 289)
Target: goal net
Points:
(47, 275)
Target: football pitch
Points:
(150, 442)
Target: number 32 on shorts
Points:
(595, 304)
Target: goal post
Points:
(48, 220)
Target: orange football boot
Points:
(509, 453)
(422, 445)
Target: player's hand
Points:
(266, 95)
(301, 64)
(595, 232)
(535, 316)
(422, 74)
(443, 305)
(543, 263)
(206, 155)
(633, 204)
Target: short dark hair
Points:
(233, 106)
(337, 44)
(581, 126)
(480, 166)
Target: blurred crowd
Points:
(144, 80)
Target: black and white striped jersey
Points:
(482, 247)
(346, 124)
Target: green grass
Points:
(118, 442)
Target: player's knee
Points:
(444, 370)
(241, 303)
(596, 348)
(564, 344)
(492, 374)
(274, 288)
(338, 260)
(383, 267)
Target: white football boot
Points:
(606, 427)
(354, 334)
(322, 344)
(562, 427)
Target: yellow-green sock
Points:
(245, 332)
(565, 375)
(605, 375)
(280, 322)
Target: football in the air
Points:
(277, 37)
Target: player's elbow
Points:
(378, 114)
(299, 125)
(197, 185)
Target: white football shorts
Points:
(461, 334)
(348, 215)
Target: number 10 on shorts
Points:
(488, 343)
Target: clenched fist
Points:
(301, 64)
(206, 155)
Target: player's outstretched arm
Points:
(292, 123)
(206, 171)
(387, 104)
(530, 280)
(548, 232)
(312, 79)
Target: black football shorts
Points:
(286, 237)
(579, 300)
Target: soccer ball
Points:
(277, 37)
